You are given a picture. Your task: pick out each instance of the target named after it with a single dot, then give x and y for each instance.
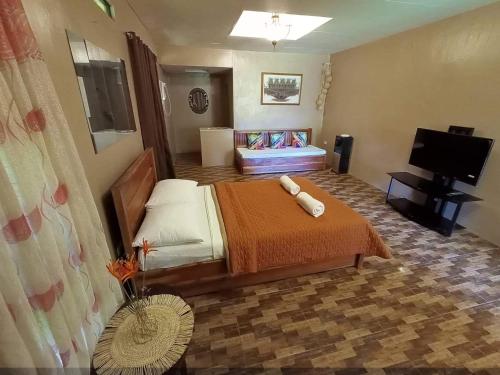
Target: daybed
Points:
(277, 160)
(254, 232)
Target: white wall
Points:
(167, 109)
(250, 114)
(247, 68)
(185, 123)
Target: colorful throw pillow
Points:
(255, 141)
(299, 139)
(277, 140)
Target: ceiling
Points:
(207, 23)
(184, 69)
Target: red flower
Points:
(61, 194)
(16, 37)
(21, 228)
(17, 230)
(145, 247)
(45, 301)
(131, 266)
(35, 120)
(124, 269)
(115, 268)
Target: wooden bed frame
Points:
(281, 164)
(131, 192)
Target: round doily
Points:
(117, 352)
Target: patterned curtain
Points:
(55, 293)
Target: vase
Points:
(145, 325)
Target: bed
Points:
(235, 243)
(271, 160)
(288, 152)
(266, 227)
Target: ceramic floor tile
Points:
(434, 308)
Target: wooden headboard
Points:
(240, 136)
(130, 193)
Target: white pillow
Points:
(170, 224)
(172, 191)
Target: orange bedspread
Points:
(266, 227)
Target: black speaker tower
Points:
(342, 153)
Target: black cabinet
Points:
(429, 214)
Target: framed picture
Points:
(281, 88)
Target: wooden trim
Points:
(187, 273)
(238, 161)
(130, 194)
(274, 165)
(359, 261)
(279, 74)
(209, 277)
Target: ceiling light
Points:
(255, 25)
(275, 30)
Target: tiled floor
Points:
(435, 305)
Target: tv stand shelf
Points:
(430, 214)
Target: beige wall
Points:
(250, 114)
(444, 73)
(184, 122)
(193, 56)
(49, 20)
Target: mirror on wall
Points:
(102, 80)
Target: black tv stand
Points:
(438, 193)
(443, 182)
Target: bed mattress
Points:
(212, 247)
(245, 153)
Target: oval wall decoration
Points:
(198, 100)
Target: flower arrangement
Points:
(124, 270)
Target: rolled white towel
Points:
(289, 185)
(311, 205)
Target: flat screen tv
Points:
(455, 156)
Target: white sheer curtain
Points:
(55, 292)
(167, 112)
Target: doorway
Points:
(195, 98)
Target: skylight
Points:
(253, 24)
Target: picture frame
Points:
(280, 88)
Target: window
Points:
(106, 7)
